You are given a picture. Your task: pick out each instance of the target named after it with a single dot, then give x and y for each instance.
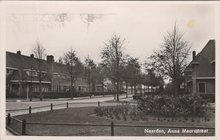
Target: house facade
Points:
(200, 73)
(22, 75)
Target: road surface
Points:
(19, 108)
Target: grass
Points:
(86, 115)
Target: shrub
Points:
(171, 106)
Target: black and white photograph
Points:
(108, 68)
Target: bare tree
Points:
(171, 59)
(90, 71)
(113, 59)
(39, 53)
(74, 67)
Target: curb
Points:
(67, 99)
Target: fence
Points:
(51, 106)
(112, 125)
(22, 130)
(30, 109)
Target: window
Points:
(213, 67)
(202, 88)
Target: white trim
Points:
(82, 85)
(30, 81)
(11, 68)
(197, 78)
(213, 61)
(34, 70)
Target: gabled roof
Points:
(18, 61)
(203, 61)
(14, 60)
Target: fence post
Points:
(98, 104)
(9, 119)
(112, 129)
(23, 127)
(29, 109)
(67, 105)
(51, 106)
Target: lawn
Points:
(86, 115)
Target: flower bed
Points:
(160, 109)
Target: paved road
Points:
(12, 107)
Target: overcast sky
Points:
(59, 26)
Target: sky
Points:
(85, 26)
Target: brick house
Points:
(200, 73)
(21, 75)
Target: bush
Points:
(55, 94)
(208, 97)
(172, 106)
(119, 112)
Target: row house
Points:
(22, 74)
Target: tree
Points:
(74, 67)
(132, 73)
(90, 71)
(40, 53)
(113, 59)
(171, 59)
(153, 80)
(100, 75)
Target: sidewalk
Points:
(57, 99)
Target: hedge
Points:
(54, 95)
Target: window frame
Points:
(199, 86)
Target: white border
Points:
(2, 66)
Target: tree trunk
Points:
(71, 89)
(40, 90)
(89, 80)
(132, 89)
(175, 84)
(118, 89)
(126, 89)
(135, 89)
(30, 92)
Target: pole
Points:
(98, 104)
(112, 129)
(51, 106)
(23, 127)
(29, 109)
(9, 119)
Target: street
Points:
(18, 108)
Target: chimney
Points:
(193, 55)
(32, 55)
(50, 61)
(19, 52)
(50, 58)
